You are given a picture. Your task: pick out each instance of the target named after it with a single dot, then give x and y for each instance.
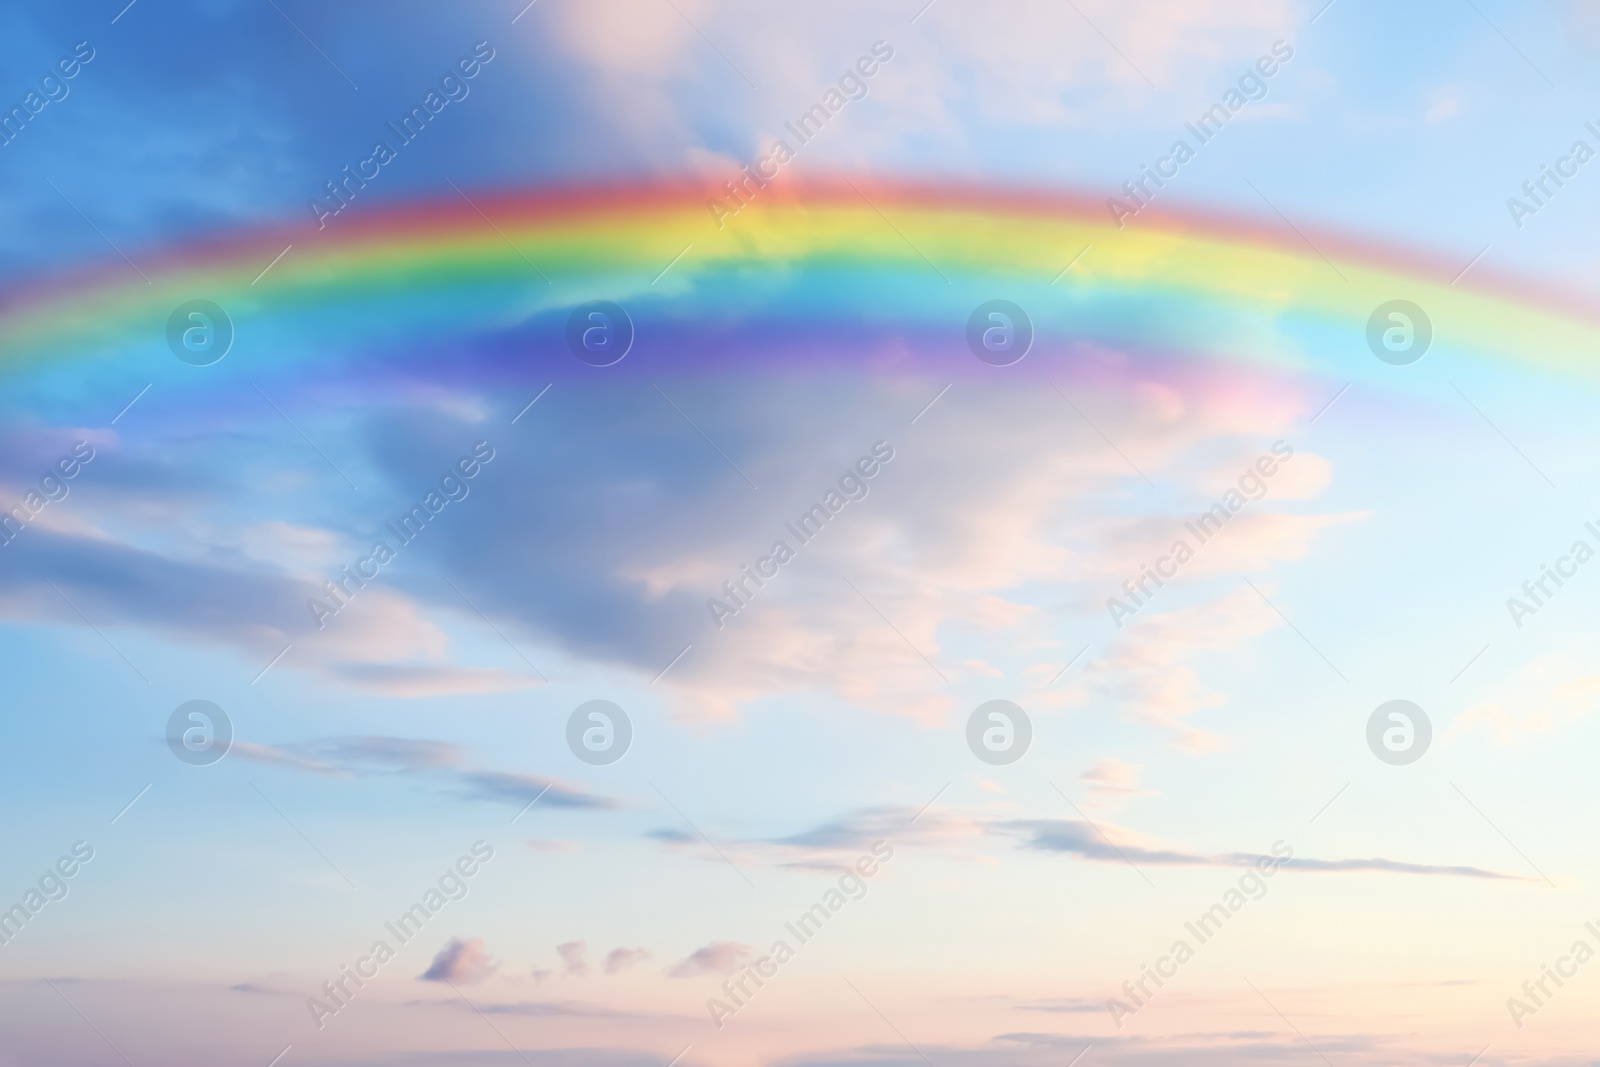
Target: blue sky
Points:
(1414, 123)
(1228, 717)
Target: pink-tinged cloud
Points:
(460, 962)
(719, 957)
(620, 959)
(574, 958)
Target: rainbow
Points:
(849, 274)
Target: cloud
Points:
(437, 761)
(1546, 695)
(563, 1008)
(671, 835)
(1040, 508)
(361, 754)
(418, 681)
(1118, 845)
(1146, 670)
(620, 959)
(461, 962)
(573, 958)
(551, 845)
(1389, 866)
(283, 756)
(719, 957)
(521, 788)
(1036, 68)
(1111, 779)
(218, 596)
(836, 843)
(540, 1009)
(1084, 840)
(1443, 104)
(1065, 1006)
(848, 835)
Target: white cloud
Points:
(1111, 781)
(1021, 64)
(1543, 697)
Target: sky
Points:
(717, 512)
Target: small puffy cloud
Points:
(574, 959)
(620, 959)
(719, 957)
(461, 962)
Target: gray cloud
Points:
(1070, 1005)
(521, 788)
(461, 961)
(574, 958)
(249, 605)
(671, 835)
(437, 761)
(1079, 838)
(830, 844)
